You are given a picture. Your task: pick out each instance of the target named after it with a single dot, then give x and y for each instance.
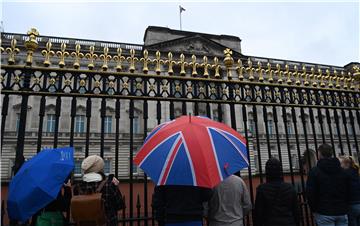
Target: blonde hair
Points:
(351, 161)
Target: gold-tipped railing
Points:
(211, 67)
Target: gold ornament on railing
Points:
(31, 45)
(321, 77)
(193, 65)
(62, 54)
(145, 61)
(106, 58)
(216, 66)
(352, 83)
(119, 59)
(170, 63)
(91, 56)
(77, 55)
(228, 61)
(269, 72)
(279, 73)
(329, 78)
(182, 64)
(158, 61)
(288, 74)
(356, 74)
(47, 53)
(259, 70)
(343, 79)
(337, 79)
(304, 75)
(132, 59)
(297, 75)
(312, 77)
(206, 66)
(1, 48)
(240, 69)
(250, 70)
(12, 51)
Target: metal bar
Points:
(145, 116)
(312, 120)
(257, 142)
(88, 120)
(336, 117)
(343, 116)
(102, 136)
(57, 112)
(73, 113)
(117, 136)
(275, 117)
(41, 123)
(265, 117)
(4, 110)
(328, 120)
(352, 122)
(321, 122)
(285, 121)
(131, 156)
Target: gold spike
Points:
(194, 65)
(240, 70)
(91, 56)
(145, 61)
(182, 64)
(170, 62)
(329, 78)
(216, 66)
(250, 70)
(259, 70)
(279, 73)
(206, 66)
(119, 59)
(337, 79)
(352, 83)
(288, 74)
(321, 77)
(31, 45)
(12, 51)
(158, 62)
(106, 58)
(269, 72)
(356, 74)
(313, 77)
(132, 59)
(305, 76)
(62, 54)
(344, 80)
(47, 53)
(228, 61)
(77, 55)
(297, 75)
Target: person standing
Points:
(327, 190)
(176, 205)
(350, 166)
(276, 202)
(229, 203)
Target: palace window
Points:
(136, 124)
(17, 122)
(108, 124)
(107, 166)
(50, 123)
(80, 124)
(77, 169)
(270, 125)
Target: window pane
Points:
(107, 124)
(80, 124)
(107, 166)
(77, 169)
(50, 125)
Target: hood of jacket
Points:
(329, 165)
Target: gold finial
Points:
(31, 45)
(182, 64)
(344, 80)
(119, 59)
(337, 79)
(132, 59)
(206, 66)
(1, 48)
(240, 70)
(297, 75)
(259, 70)
(106, 58)
(269, 72)
(250, 70)
(145, 61)
(352, 83)
(279, 73)
(170, 63)
(313, 77)
(288, 74)
(305, 76)
(216, 66)
(228, 61)
(62, 54)
(12, 51)
(329, 78)
(77, 55)
(91, 56)
(194, 65)
(47, 53)
(321, 77)
(158, 62)
(356, 74)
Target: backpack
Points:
(50, 219)
(88, 209)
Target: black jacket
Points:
(354, 185)
(276, 205)
(328, 188)
(174, 204)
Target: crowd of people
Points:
(332, 192)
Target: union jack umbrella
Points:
(192, 150)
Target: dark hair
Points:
(273, 170)
(326, 150)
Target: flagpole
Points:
(180, 19)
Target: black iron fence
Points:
(281, 112)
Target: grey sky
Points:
(326, 33)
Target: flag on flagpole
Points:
(181, 8)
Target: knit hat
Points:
(273, 170)
(92, 164)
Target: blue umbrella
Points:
(38, 182)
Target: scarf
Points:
(92, 177)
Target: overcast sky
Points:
(326, 33)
